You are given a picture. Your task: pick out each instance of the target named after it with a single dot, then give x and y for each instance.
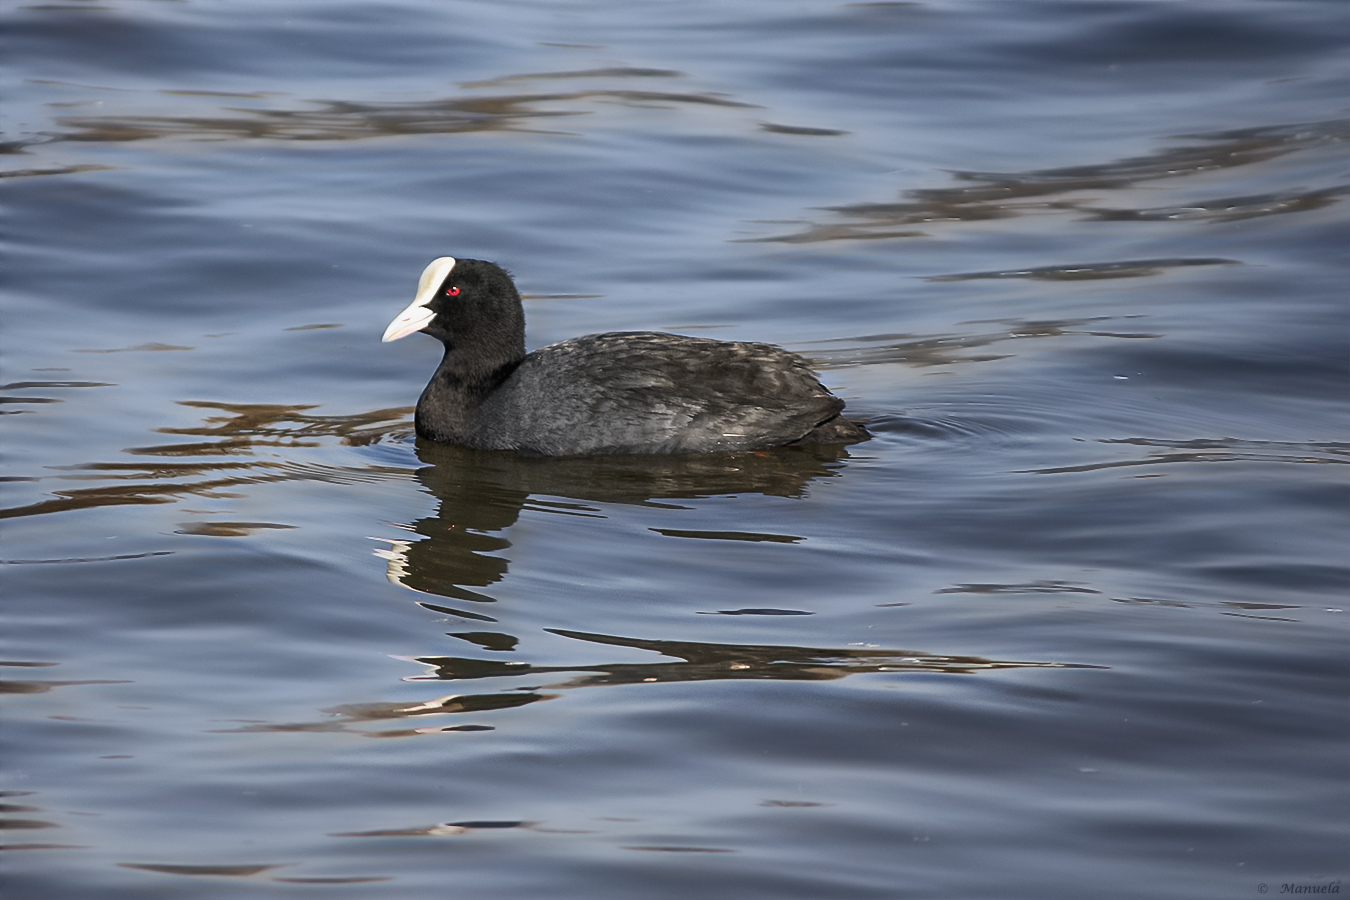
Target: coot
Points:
(622, 392)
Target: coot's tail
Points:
(838, 430)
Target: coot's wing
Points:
(646, 392)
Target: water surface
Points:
(1072, 624)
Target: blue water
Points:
(1073, 624)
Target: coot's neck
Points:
(455, 392)
(484, 338)
(473, 376)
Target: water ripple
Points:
(946, 349)
(984, 196)
(239, 433)
(346, 120)
(697, 661)
(1221, 450)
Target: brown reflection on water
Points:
(1136, 268)
(173, 869)
(82, 559)
(983, 196)
(348, 718)
(1221, 450)
(757, 537)
(140, 348)
(32, 686)
(24, 385)
(345, 120)
(319, 326)
(697, 661)
(200, 471)
(16, 817)
(9, 686)
(687, 661)
(269, 116)
(1225, 607)
(31, 385)
(16, 807)
(355, 879)
(25, 824)
(941, 350)
(1030, 587)
(609, 72)
(1227, 209)
(444, 829)
(247, 870)
(227, 529)
(286, 425)
(55, 170)
(804, 130)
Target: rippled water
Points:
(1072, 624)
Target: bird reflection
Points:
(482, 493)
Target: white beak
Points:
(417, 316)
(414, 318)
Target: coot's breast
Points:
(644, 392)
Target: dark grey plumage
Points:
(622, 392)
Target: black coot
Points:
(623, 392)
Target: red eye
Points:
(452, 292)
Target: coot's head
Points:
(470, 301)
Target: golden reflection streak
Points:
(174, 869)
(1227, 209)
(343, 120)
(715, 662)
(58, 170)
(245, 421)
(9, 686)
(1164, 452)
(941, 350)
(346, 716)
(697, 662)
(611, 72)
(243, 428)
(1138, 268)
(998, 195)
(1030, 587)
